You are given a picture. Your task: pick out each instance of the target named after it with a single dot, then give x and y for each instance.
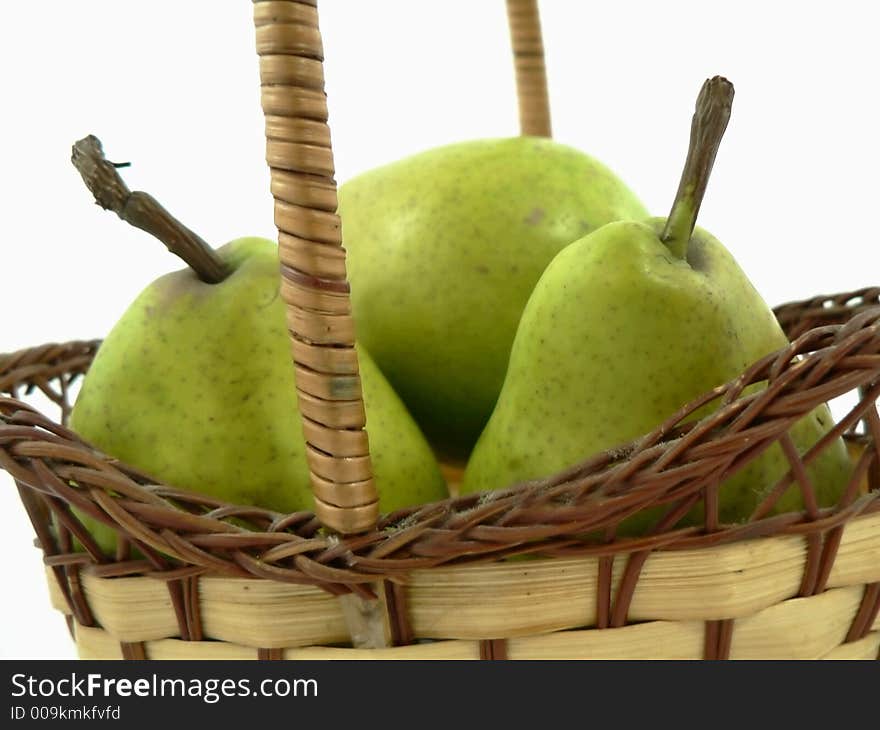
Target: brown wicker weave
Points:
(240, 581)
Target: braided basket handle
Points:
(313, 275)
(531, 71)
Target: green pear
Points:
(627, 325)
(444, 249)
(195, 386)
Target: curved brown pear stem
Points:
(707, 128)
(143, 211)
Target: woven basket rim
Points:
(823, 361)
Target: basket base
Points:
(92, 643)
(737, 601)
(799, 628)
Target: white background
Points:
(172, 85)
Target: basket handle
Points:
(313, 277)
(313, 274)
(531, 72)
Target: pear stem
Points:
(143, 211)
(707, 128)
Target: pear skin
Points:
(195, 386)
(444, 248)
(619, 334)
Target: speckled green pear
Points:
(194, 385)
(620, 333)
(444, 249)
(629, 324)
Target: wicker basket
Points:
(224, 581)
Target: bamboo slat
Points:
(778, 632)
(748, 580)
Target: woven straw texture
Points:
(789, 585)
(194, 577)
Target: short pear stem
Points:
(143, 211)
(707, 128)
